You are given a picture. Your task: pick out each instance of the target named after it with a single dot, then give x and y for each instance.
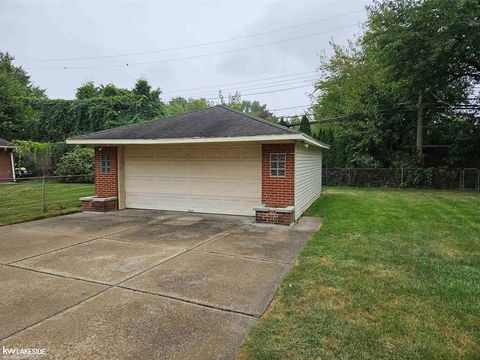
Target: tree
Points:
(96, 108)
(254, 108)
(16, 117)
(414, 63)
(142, 88)
(350, 83)
(305, 126)
(282, 122)
(87, 90)
(429, 49)
(110, 90)
(180, 105)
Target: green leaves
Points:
(15, 115)
(77, 162)
(305, 126)
(432, 46)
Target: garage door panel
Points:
(157, 168)
(222, 169)
(156, 202)
(156, 185)
(156, 152)
(215, 179)
(233, 205)
(194, 186)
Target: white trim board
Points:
(263, 138)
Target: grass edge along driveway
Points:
(392, 274)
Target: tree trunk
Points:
(420, 116)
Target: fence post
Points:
(401, 179)
(44, 205)
(478, 180)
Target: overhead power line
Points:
(250, 87)
(194, 45)
(354, 116)
(242, 82)
(290, 107)
(194, 56)
(267, 92)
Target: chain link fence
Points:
(430, 178)
(24, 199)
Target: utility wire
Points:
(242, 82)
(357, 116)
(194, 45)
(194, 56)
(290, 107)
(249, 87)
(266, 92)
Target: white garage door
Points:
(224, 179)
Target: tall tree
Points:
(282, 122)
(415, 62)
(350, 83)
(87, 90)
(305, 126)
(255, 108)
(16, 117)
(180, 105)
(429, 48)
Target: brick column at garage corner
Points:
(278, 192)
(106, 184)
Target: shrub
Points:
(77, 162)
(58, 151)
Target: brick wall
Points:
(99, 206)
(273, 217)
(5, 165)
(106, 185)
(278, 191)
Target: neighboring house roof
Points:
(6, 144)
(214, 124)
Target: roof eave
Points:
(314, 142)
(261, 138)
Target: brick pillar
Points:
(278, 192)
(106, 183)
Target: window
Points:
(277, 164)
(105, 165)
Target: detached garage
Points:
(214, 161)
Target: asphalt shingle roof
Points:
(4, 142)
(213, 122)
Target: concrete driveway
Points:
(140, 284)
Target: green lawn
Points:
(392, 274)
(23, 200)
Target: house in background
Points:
(7, 161)
(214, 160)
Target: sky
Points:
(268, 50)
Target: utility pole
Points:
(420, 117)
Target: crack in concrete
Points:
(118, 285)
(106, 236)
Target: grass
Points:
(23, 201)
(392, 274)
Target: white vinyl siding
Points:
(213, 178)
(308, 176)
